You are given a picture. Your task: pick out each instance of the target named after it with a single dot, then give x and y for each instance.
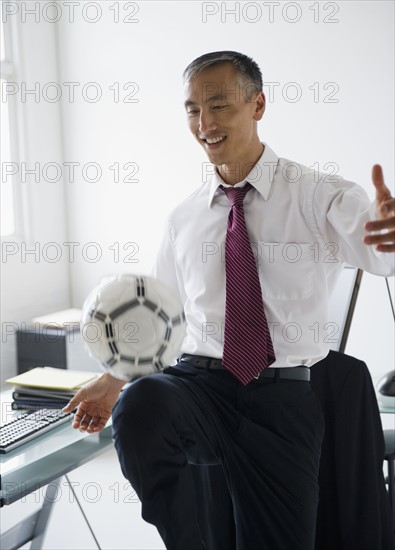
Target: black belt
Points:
(285, 373)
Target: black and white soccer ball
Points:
(133, 325)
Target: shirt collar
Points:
(260, 177)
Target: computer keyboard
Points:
(29, 425)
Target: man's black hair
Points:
(244, 65)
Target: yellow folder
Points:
(49, 377)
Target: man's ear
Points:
(260, 105)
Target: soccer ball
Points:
(133, 325)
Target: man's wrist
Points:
(115, 382)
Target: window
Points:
(8, 138)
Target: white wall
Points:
(355, 54)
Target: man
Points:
(260, 220)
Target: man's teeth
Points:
(215, 140)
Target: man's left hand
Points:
(385, 207)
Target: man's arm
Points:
(164, 267)
(343, 213)
(385, 209)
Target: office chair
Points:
(389, 457)
(354, 510)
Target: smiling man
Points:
(254, 254)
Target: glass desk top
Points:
(386, 403)
(46, 458)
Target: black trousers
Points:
(265, 436)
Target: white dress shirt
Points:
(303, 228)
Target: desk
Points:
(40, 462)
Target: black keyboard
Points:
(26, 426)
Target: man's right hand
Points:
(95, 403)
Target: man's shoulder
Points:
(293, 171)
(314, 187)
(323, 175)
(192, 204)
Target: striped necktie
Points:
(248, 347)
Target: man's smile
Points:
(214, 142)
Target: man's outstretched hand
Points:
(385, 207)
(95, 403)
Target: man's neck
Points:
(235, 172)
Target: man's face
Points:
(220, 115)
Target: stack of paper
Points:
(47, 387)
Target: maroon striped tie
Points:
(248, 347)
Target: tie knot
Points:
(236, 194)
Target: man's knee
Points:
(143, 405)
